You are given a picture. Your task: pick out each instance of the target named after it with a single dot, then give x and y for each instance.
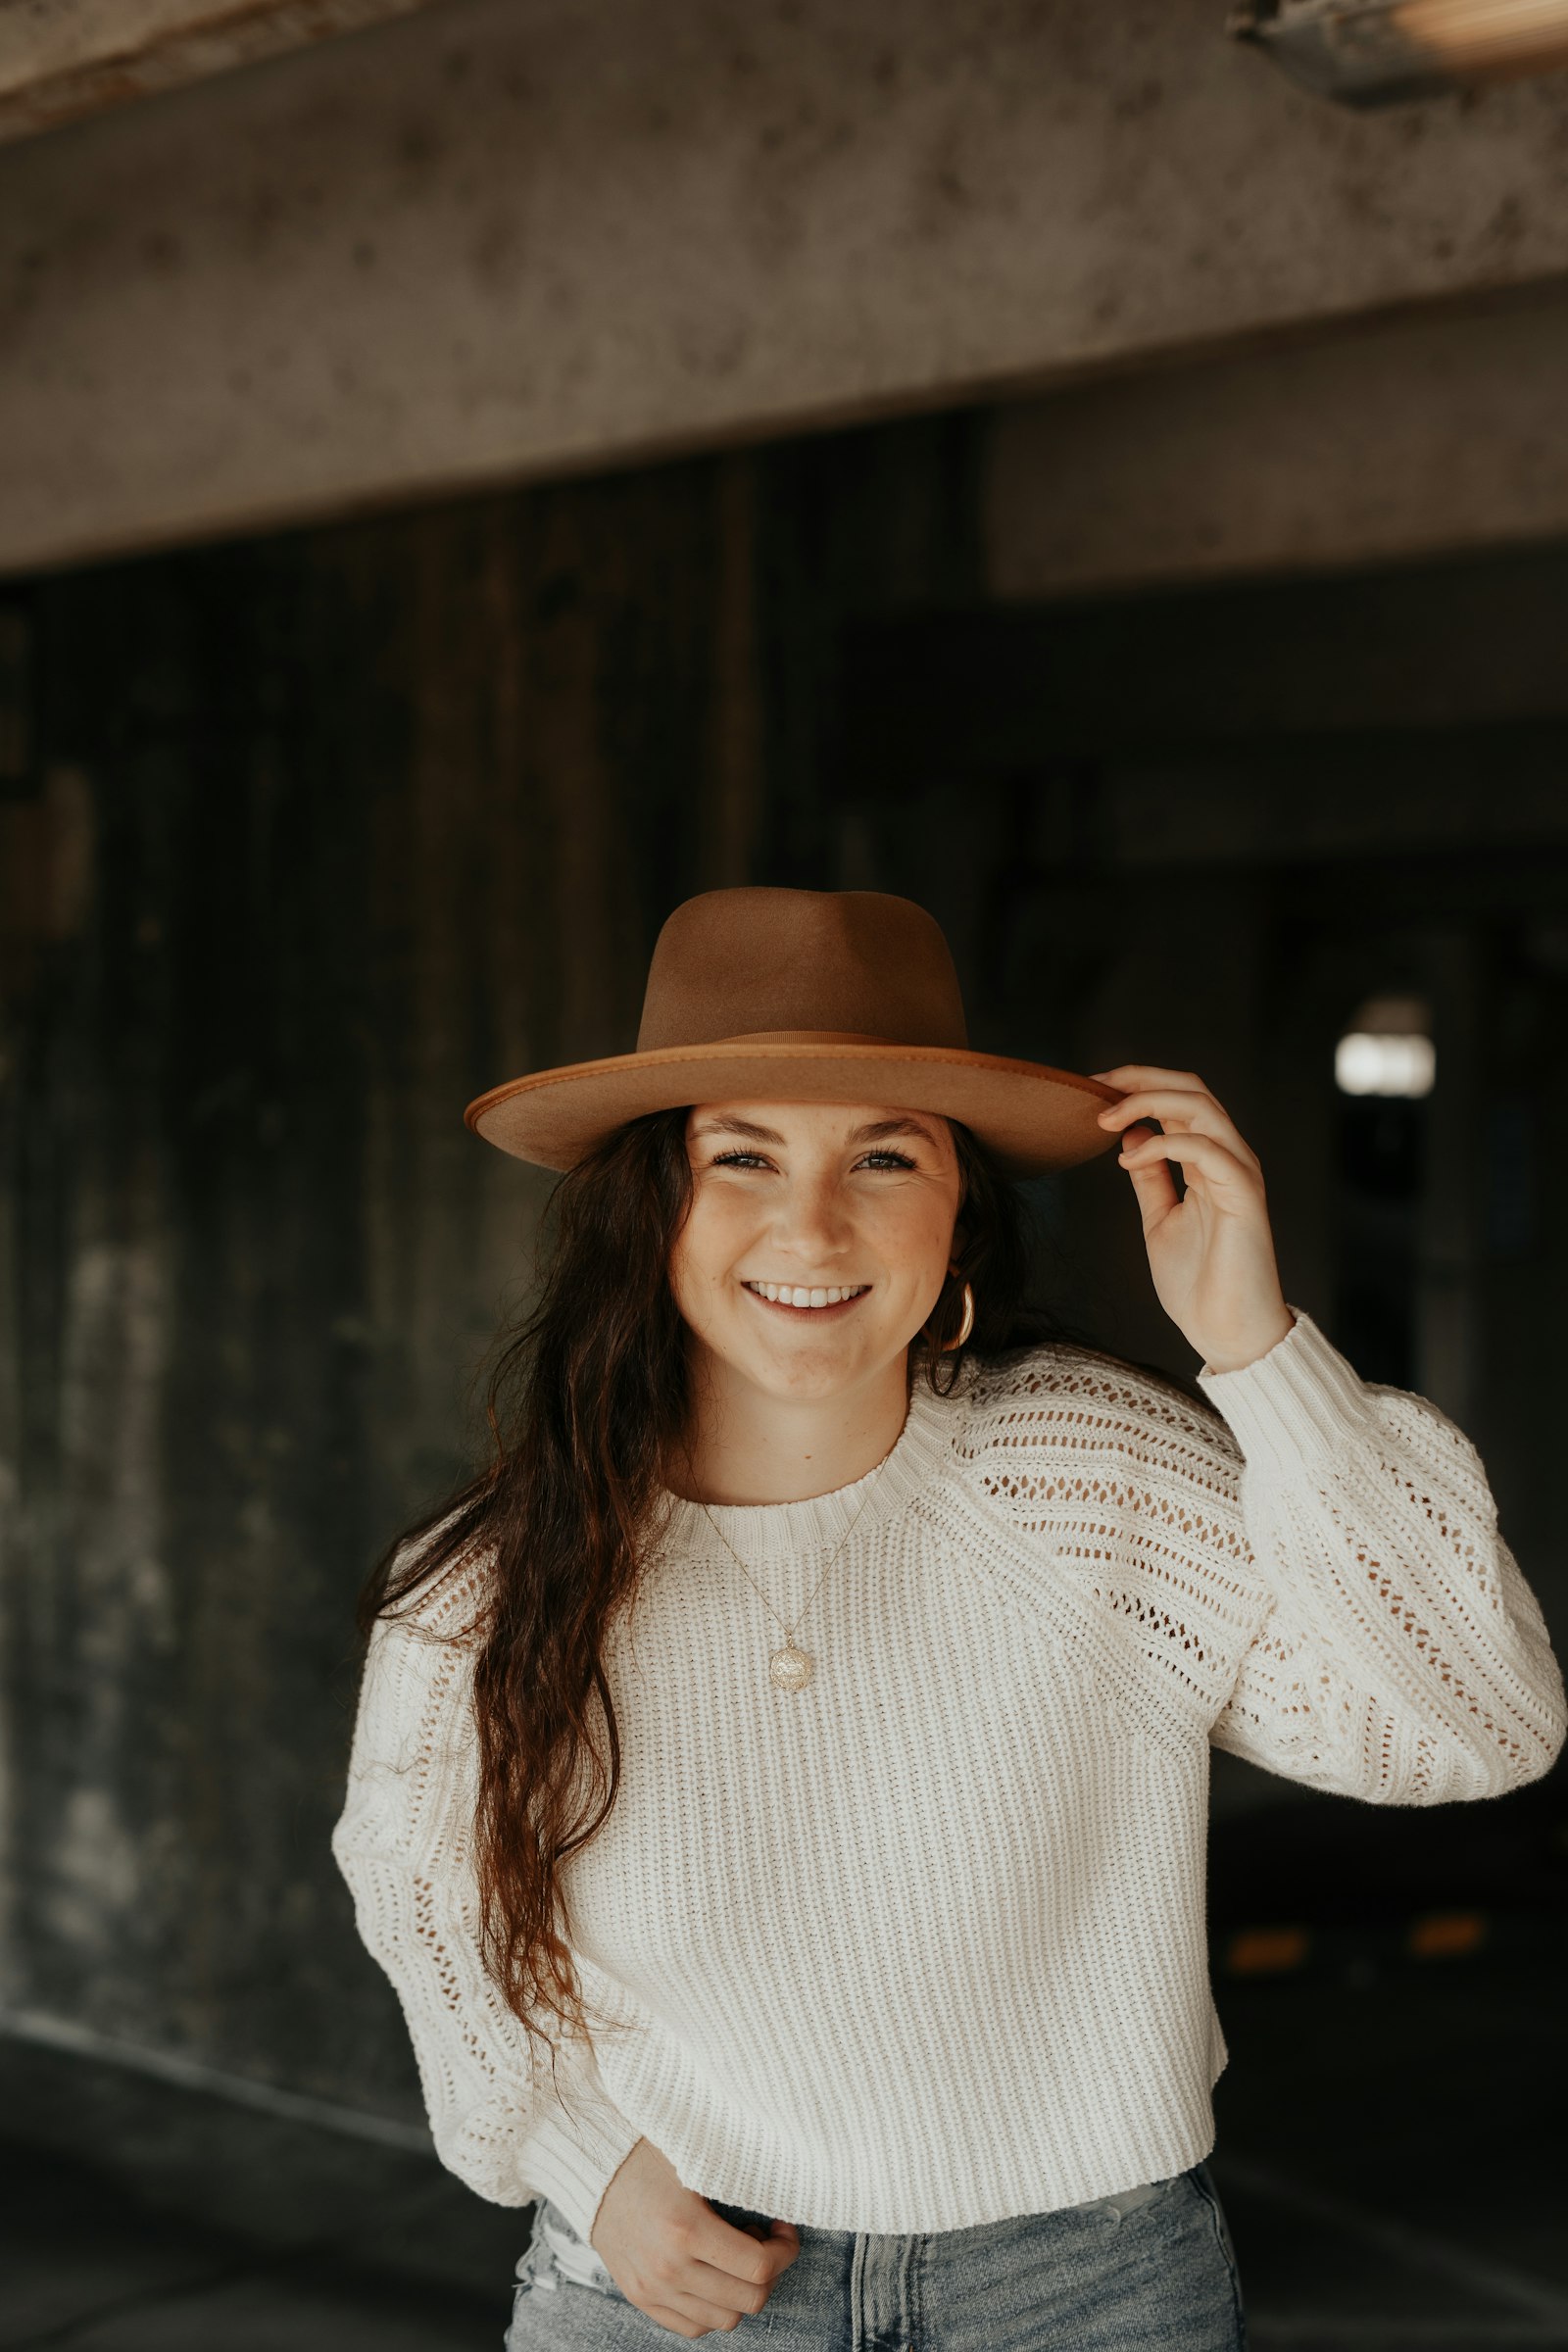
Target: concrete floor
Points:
(404, 2259)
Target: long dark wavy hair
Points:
(588, 1408)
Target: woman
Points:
(877, 1951)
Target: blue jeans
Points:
(1149, 2269)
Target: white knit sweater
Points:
(923, 1945)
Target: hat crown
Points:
(754, 961)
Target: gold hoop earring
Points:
(947, 1346)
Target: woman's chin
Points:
(813, 1371)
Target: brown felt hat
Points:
(801, 996)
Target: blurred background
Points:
(473, 474)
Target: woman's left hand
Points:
(1211, 1253)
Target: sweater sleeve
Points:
(1398, 1654)
(404, 1844)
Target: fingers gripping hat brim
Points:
(1033, 1117)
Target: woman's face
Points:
(846, 1212)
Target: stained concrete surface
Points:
(61, 60)
(1389, 2156)
(502, 239)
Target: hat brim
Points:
(1033, 1117)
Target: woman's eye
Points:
(739, 1160)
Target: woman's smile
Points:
(797, 1299)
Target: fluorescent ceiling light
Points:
(1376, 52)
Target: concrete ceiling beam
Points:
(62, 59)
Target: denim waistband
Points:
(577, 2260)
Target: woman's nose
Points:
(813, 1217)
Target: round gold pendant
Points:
(791, 1668)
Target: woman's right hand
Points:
(675, 2257)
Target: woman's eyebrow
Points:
(881, 1127)
(718, 1126)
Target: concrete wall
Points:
(502, 238)
(315, 836)
(61, 60)
(1370, 443)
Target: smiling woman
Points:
(778, 1375)
(807, 1262)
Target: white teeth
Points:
(793, 1294)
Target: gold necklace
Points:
(792, 1668)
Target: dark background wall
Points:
(310, 838)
